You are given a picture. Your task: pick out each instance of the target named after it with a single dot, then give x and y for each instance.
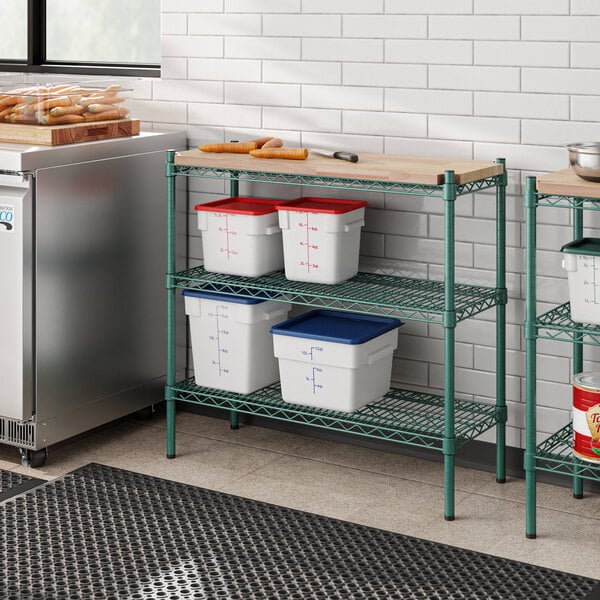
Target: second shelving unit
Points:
(561, 189)
(440, 422)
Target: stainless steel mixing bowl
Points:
(585, 160)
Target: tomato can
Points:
(586, 416)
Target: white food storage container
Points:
(321, 238)
(232, 346)
(335, 360)
(581, 260)
(241, 236)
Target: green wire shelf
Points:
(403, 297)
(556, 324)
(555, 455)
(405, 416)
(578, 202)
(343, 183)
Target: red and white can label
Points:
(586, 424)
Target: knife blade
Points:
(339, 154)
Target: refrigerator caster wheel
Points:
(33, 458)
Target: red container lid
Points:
(241, 205)
(323, 205)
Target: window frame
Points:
(36, 54)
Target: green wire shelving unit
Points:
(441, 422)
(555, 454)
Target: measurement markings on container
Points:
(592, 280)
(220, 337)
(309, 244)
(312, 351)
(312, 379)
(230, 235)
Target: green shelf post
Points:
(234, 190)
(530, 358)
(449, 193)
(171, 341)
(577, 341)
(501, 325)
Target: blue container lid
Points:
(336, 326)
(222, 297)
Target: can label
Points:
(586, 424)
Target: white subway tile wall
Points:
(473, 79)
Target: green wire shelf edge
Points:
(404, 297)
(555, 455)
(404, 416)
(556, 324)
(341, 183)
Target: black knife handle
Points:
(349, 156)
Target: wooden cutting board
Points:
(567, 183)
(381, 167)
(52, 135)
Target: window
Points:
(94, 37)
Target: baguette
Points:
(292, 153)
(237, 147)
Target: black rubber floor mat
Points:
(101, 532)
(12, 484)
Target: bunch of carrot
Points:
(61, 104)
(267, 147)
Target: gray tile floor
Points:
(389, 491)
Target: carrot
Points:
(61, 111)
(98, 108)
(273, 143)
(8, 100)
(107, 115)
(48, 119)
(5, 112)
(101, 99)
(22, 118)
(19, 108)
(260, 142)
(293, 153)
(237, 147)
(55, 102)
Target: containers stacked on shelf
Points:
(335, 360)
(582, 262)
(241, 236)
(232, 346)
(314, 239)
(347, 360)
(321, 238)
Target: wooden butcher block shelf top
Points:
(567, 183)
(380, 167)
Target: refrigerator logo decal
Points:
(7, 215)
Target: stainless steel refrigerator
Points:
(82, 301)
